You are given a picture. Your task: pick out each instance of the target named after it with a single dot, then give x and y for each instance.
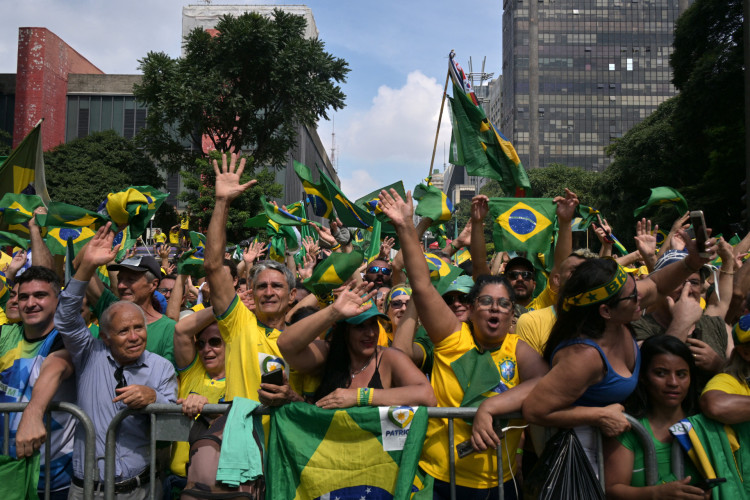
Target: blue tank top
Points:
(613, 388)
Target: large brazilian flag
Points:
(522, 224)
(361, 452)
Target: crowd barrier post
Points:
(649, 450)
(678, 460)
(89, 460)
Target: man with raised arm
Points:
(250, 337)
(113, 373)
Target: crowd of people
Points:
(662, 333)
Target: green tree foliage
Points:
(693, 142)
(247, 88)
(83, 171)
(200, 196)
(5, 141)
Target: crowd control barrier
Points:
(91, 471)
(169, 424)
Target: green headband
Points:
(598, 294)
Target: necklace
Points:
(355, 373)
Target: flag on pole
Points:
(317, 195)
(333, 272)
(479, 146)
(60, 239)
(664, 195)
(365, 452)
(374, 249)
(23, 170)
(349, 213)
(522, 225)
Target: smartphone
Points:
(275, 377)
(708, 484)
(699, 227)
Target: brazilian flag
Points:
(317, 195)
(197, 240)
(333, 272)
(350, 214)
(439, 269)
(17, 211)
(664, 195)
(433, 203)
(126, 240)
(132, 207)
(361, 452)
(522, 224)
(65, 215)
(191, 263)
(374, 249)
(13, 240)
(58, 237)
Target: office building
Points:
(579, 73)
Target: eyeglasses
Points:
(379, 270)
(694, 282)
(458, 297)
(632, 296)
(398, 304)
(212, 342)
(120, 378)
(164, 291)
(514, 275)
(486, 301)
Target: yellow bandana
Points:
(599, 294)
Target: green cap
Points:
(462, 284)
(370, 313)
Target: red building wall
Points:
(44, 63)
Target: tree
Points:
(245, 89)
(83, 171)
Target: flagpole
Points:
(440, 118)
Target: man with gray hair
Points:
(113, 373)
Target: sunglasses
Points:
(212, 342)
(379, 270)
(120, 378)
(514, 275)
(398, 304)
(485, 302)
(632, 296)
(452, 299)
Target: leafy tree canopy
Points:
(246, 88)
(83, 171)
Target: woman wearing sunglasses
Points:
(472, 360)
(594, 359)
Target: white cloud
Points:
(358, 184)
(399, 126)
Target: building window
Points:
(611, 66)
(629, 64)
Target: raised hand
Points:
(480, 207)
(311, 246)
(308, 264)
(253, 251)
(645, 238)
(400, 211)
(464, 238)
(99, 250)
(566, 205)
(228, 185)
(325, 234)
(353, 300)
(385, 247)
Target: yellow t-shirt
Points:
(478, 470)
(534, 327)
(724, 382)
(160, 238)
(194, 380)
(174, 237)
(547, 298)
(185, 222)
(251, 350)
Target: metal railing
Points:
(169, 424)
(89, 460)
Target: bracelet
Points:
(333, 249)
(371, 394)
(364, 396)
(519, 451)
(454, 246)
(726, 272)
(684, 263)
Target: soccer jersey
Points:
(724, 382)
(20, 363)
(194, 380)
(478, 470)
(534, 327)
(160, 238)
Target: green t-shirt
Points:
(160, 338)
(663, 458)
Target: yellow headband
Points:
(599, 294)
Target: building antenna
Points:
(334, 158)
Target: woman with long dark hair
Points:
(665, 395)
(593, 356)
(353, 369)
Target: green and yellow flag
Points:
(361, 452)
(350, 214)
(23, 170)
(58, 237)
(17, 211)
(433, 203)
(65, 215)
(133, 207)
(664, 195)
(317, 195)
(13, 240)
(373, 250)
(333, 272)
(522, 225)
(191, 263)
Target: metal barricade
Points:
(169, 424)
(89, 459)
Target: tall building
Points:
(579, 73)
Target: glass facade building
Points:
(602, 67)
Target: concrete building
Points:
(56, 82)
(579, 73)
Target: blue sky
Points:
(397, 51)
